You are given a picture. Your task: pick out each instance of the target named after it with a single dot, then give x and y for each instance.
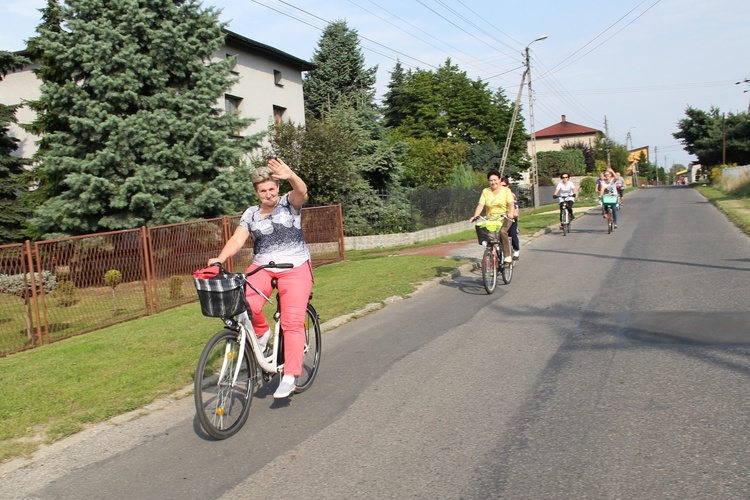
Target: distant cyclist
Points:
(513, 230)
(620, 185)
(566, 190)
(609, 187)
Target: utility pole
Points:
(723, 139)
(656, 165)
(506, 148)
(606, 138)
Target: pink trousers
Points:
(294, 287)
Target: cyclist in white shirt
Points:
(566, 190)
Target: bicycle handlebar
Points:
(285, 265)
(480, 218)
(556, 196)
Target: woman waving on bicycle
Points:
(609, 187)
(276, 228)
(497, 200)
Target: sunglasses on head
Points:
(564, 176)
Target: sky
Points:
(629, 68)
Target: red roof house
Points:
(555, 136)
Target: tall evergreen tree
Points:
(132, 133)
(13, 212)
(392, 109)
(340, 76)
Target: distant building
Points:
(634, 156)
(554, 137)
(269, 88)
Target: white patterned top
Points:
(277, 237)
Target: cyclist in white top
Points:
(566, 190)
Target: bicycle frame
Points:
(268, 364)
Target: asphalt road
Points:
(613, 366)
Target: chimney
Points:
(563, 118)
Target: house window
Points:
(232, 104)
(278, 114)
(277, 78)
(233, 64)
(556, 140)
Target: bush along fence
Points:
(54, 289)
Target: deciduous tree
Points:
(712, 135)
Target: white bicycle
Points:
(231, 365)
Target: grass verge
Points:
(736, 208)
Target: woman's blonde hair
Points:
(262, 174)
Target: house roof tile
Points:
(565, 128)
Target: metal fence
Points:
(69, 286)
(424, 208)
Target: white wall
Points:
(15, 88)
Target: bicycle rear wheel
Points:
(311, 356)
(489, 269)
(609, 221)
(223, 407)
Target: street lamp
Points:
(534, 166)
(629, 139)
(748, 82)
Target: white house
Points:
(269, 88)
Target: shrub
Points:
(65, 294)
(588, 187)
(175, 287)
(112, 278)
(20, 284)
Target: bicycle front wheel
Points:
(489, 269)
(222, 403)
(311, 356)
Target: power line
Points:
(600, 34)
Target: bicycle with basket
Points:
(493, 257)
(232, 365)
(609, 203)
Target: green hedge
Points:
(552, 163)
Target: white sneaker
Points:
(508, 259)
(286, 387)
(516, 254)
(263, 341)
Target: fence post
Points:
(146, 269)
(226, 233)
(34, 302)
